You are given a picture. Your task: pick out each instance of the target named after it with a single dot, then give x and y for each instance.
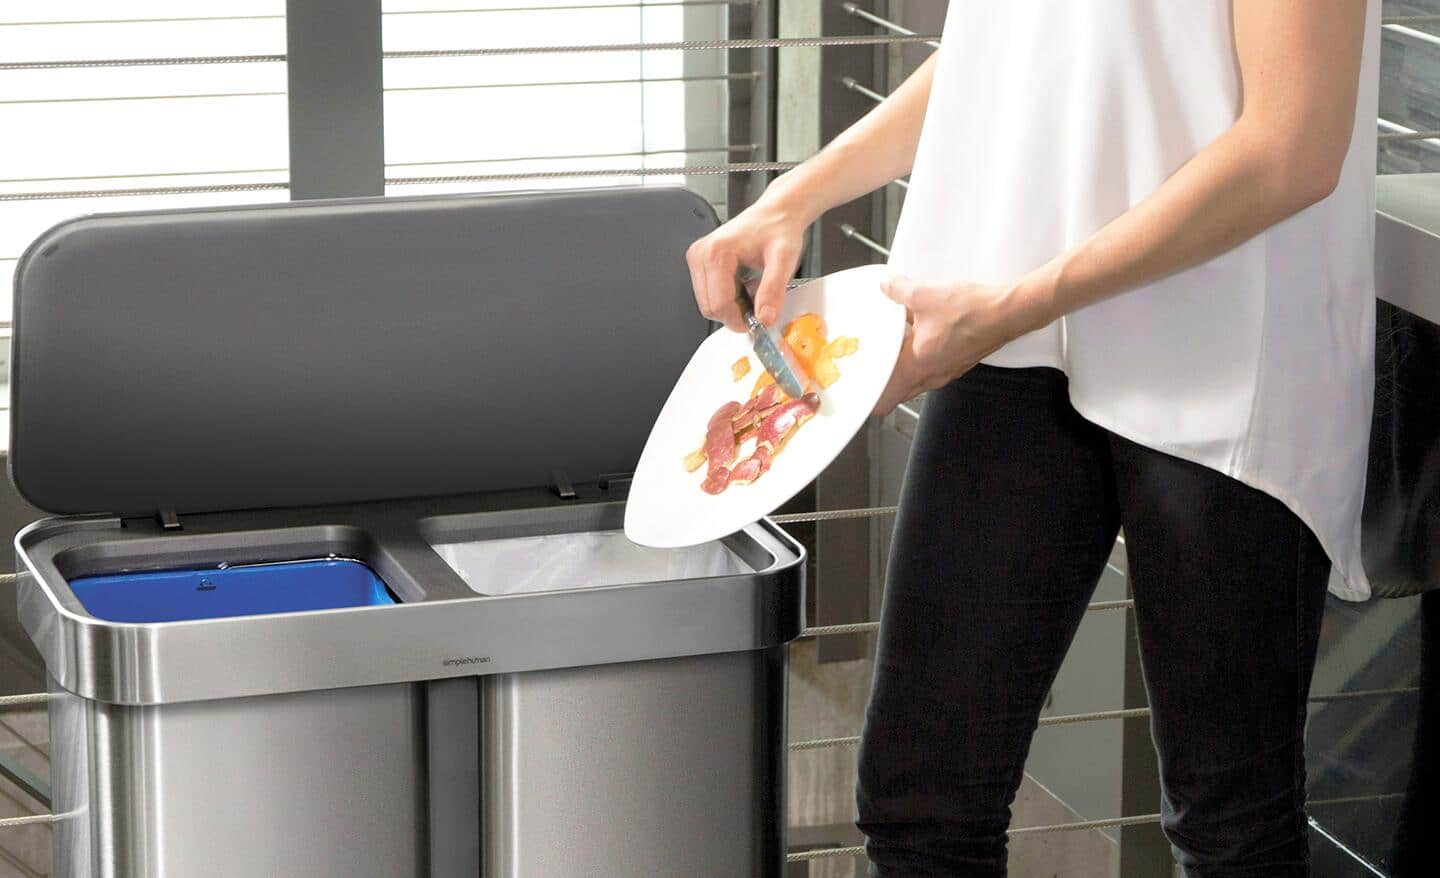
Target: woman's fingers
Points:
(780, 261)
(712, 273)
(720, 286)
(697, 278)
(760, 237)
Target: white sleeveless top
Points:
(1046, 121)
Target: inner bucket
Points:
(551, 562)
(241, 590)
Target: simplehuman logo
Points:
(466, 660)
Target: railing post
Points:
(336, 98)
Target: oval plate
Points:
(667, 509)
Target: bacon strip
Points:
(773, 432)
(779, 426)
(769, 417)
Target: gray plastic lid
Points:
(340, 351)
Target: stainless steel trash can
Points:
(338, 586)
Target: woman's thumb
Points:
(900, 290)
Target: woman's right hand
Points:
(770, 233)
(767, 237)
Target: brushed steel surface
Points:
(662, 769)
(321, 784)
(441, 629)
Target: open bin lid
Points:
(348, 350)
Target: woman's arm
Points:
(769, 234)
(1299, 68)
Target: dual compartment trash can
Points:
(338, 585)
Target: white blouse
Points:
(1046, 121)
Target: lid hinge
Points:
(560, 483)
(168, 519)
(617, 484)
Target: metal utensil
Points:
(773, 353)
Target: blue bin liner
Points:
(213, 593)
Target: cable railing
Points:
(492, 51)
(404, 89)
(538, 7)
(1405, 30)
(1394, 131)
(885, 23)
(747, 148)
(440, 180)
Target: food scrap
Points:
(742, 439)
(806, 337)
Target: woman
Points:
(1150, 225)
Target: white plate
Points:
(667, 509)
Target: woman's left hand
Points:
(952, 327)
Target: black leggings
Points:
(1011, 505)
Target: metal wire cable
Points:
(833, 514)
(676, 46)
(695, 170)
(1063, 719)
(852, 9)
(143, 190)
(1413, 34)
(141, 62)
(1394, 19)
(677, 171)
(1392, 137)
(867, 627)
(693, 150)
(851, 232)
(494, 52)
(718, 77)
(822, 853)
(1364, 693)
(1396, 133)
(850, 628)
(1131, 713)
(1352, 800)
(1077, 826)
(1066, 719)
(114, 98)
(8, 701)
(471, 11)
(1107, 823)
(28, 820)
(854, 85)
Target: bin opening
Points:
(551, 562)
(240, 590)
